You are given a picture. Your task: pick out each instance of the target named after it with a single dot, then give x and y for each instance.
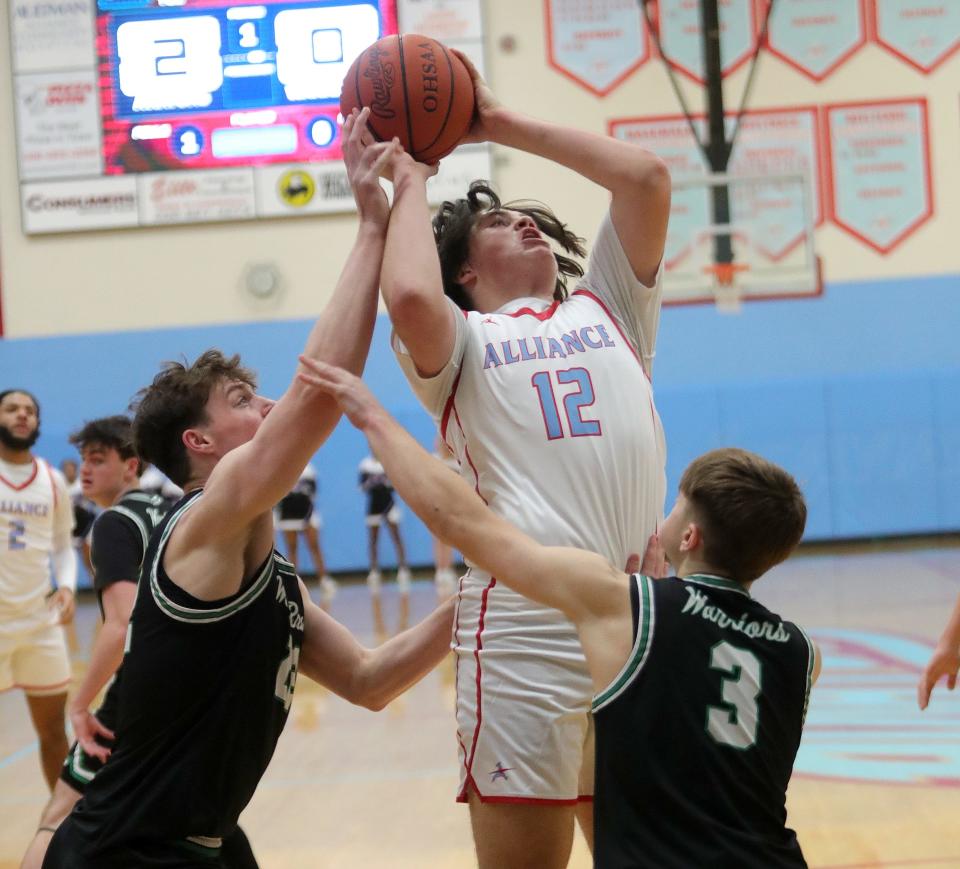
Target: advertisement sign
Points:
(196, 197)
(90, 203)
(58, 125)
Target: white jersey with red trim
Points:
(549, 409)
(35, 516)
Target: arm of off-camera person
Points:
(372, 677)
(945, 660)
(638, 180)
(581, 584)
(410, 279)
(105, 658)
(251, 479)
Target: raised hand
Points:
(366, 160)
(486, 104)
(654, 559)
(356, 401)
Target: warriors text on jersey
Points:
(204, 697)
(35, 515)
(697, 735)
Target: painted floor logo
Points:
(863, 723)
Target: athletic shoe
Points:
(373, 581)
(403, 579)
(328, 589)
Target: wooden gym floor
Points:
(876, 784)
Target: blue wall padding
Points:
(857, 393)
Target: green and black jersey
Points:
(206, 690)
(697, 735)
(118, 544)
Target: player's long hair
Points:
(455, 220)
(175, 401)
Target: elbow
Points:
(364, 691)
(406, 302)
(648, 175)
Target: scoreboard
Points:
(144, 112)
(220, 83)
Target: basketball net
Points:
(726, 291)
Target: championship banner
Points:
(816, 36)
(678, 22)
(879, 177)
(597, 44)
(778, 142)
(921, 32)
(671, 139)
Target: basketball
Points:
(417, 90)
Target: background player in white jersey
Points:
(36, 522)
(297, 514)
(700, 690)
(537, 392)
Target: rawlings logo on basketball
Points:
(381, 76)
(428, 72)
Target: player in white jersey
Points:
(537, 393)
(37, 523)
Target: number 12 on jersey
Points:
(573, 403)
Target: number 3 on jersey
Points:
(573, 403)
(735, 722)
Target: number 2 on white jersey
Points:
(573, 403)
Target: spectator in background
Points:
(84, 512)
(381, 509)
(297, 514)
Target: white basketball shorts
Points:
(523, 700)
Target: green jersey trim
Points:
(77, 769)
(712, 581)
(811, 659)
(136, 520)
(641, 646)
(193, 614)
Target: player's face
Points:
(234, 413)
(19, 421)
(506, 243)
(103, 474)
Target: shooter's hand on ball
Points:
(486, 104)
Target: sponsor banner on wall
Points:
(924, 33)
(286, 191)
(816, 36)
(58, 125)
(597, 44)
(445, 20)
(879, 177)
(51, 35)
(681, 37)
(91, 203)
(196, 196)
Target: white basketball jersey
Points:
(31, 514)
(549, 408)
